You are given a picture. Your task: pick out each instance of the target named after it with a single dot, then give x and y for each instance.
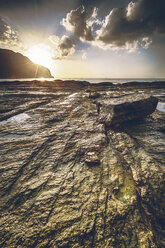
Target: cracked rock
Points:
(116, 110)
(49, 198)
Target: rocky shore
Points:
(76, 171)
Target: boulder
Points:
(92, 156)
(116, 110)
(92, 159)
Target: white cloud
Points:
(9, 37)
(146, 42)
(84, 56)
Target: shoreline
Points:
(53, 82)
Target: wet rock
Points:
(50, 198)
(115, 191)
(116, 110)
(156, 84)
(94, 95)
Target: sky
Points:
(88, 38)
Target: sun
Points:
(40, 54)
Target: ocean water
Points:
(91, 80)
(118, 80)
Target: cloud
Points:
(3, 29)
(80, 22)
(146, 42)
(64, 46)
(9, 39)
(84, 56)
(128, 27)
(134, 22)
(6, 32)
(8, 36)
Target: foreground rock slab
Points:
(114, 111)
(50, 197)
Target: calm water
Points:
(119, 80)
(92, 80)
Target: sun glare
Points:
(40, 54)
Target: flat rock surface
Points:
(50, 197)
(127, 98)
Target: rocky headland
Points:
(82, 165)
(15, 65)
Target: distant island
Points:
(15, 65)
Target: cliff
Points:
(15, 65)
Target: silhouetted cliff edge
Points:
(15, 65)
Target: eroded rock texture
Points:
(117, 110)
(50, 197)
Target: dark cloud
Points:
(117, 30)
(136, 21)
(108, 23)
(80, 22)
(45, 15)
(64, 46)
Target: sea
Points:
(91, 80)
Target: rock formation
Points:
(50, 197)
(114, 111)
(15, 65)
